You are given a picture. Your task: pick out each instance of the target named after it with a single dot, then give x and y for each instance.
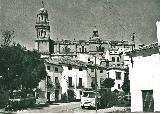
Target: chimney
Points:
(158, 32)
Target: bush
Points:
(71, 95)
(64, 98)
(119, 99)
(4, 98)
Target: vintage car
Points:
(88, 99)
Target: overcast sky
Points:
(69, 19)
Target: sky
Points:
(75, 19)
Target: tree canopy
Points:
(20, 67)
(126, 84)
(108, 83)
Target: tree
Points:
(108, 83)
(7, 37)
(19, 66)
(126, 85)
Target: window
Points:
(70, 81)
(118, 75)
(44, 33)
(117, 59)
(56, 80)
(69, 67)
(80, 82)
(108, 74)
(101, 71)
(48, 67)
(118, 64)
(92, 69)
(93, 83)
(56, 69)
(80, 92)
(101, 81)
(79, 49)
(41, 32)
(80, 69)
(113, 59)
(119, 86)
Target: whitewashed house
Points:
(65, 74)
(144, 72)
(118, 74)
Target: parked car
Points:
(19, 100)
(88, 99)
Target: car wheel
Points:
(82, 107)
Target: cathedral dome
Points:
(42, 10)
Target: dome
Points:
(42, 10)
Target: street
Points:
(73, 107)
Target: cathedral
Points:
(71, 65)
(45, 45)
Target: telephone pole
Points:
(96, 83)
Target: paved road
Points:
(73, 107)
(56, 107)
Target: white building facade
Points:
(145, 77)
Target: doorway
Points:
(56, 95)
(48, 96)
(148, 101)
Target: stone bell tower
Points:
(42, 41)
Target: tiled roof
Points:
(116, 67)
(70, 61)
(67, 61)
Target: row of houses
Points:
(66, 73)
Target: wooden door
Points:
(148, 101)
(56, 95)
(48, 96)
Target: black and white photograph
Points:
(79, 56)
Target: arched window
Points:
(39, 18)
(41, 32)
(42, 17)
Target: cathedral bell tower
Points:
(43, 41)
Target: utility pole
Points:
(46, 86)
(96, 84)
